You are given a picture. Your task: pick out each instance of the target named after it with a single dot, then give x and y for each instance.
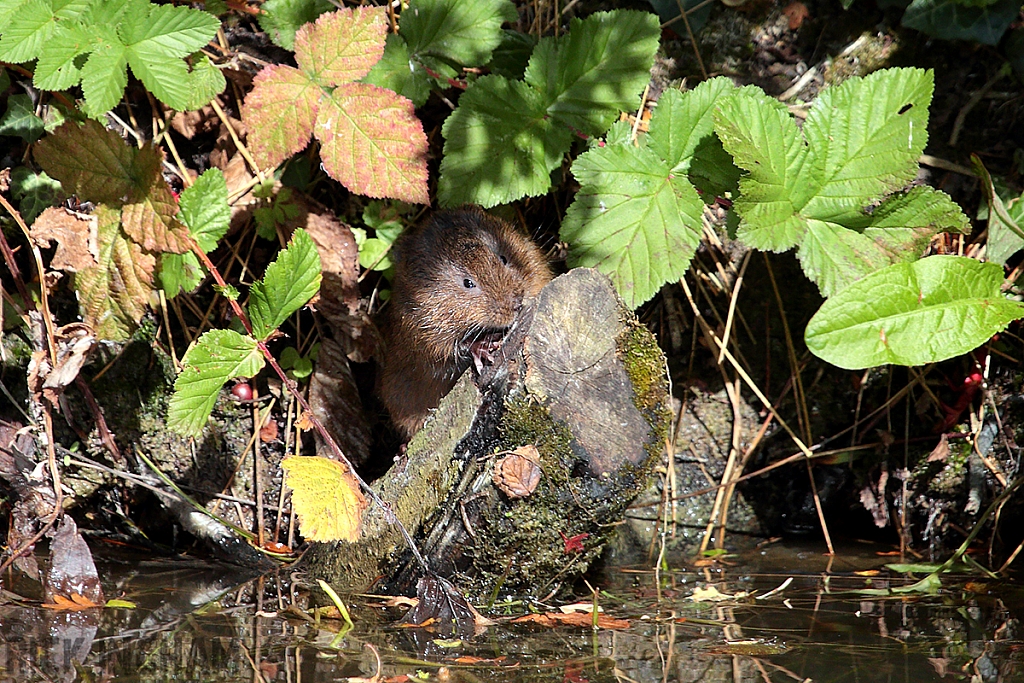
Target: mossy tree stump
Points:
(582, 381)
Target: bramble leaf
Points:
(326, 497)
(204, 208)
(113, 295)
(597, 70)
(372, 143)
(458, 31)
(56, 68)
(868, 134)
(341, 46)
(371, 140)
(811, 187)
(152, 39)
(912, 314)
(90, 161)
(433, 36)
(280, 112)
(98, 166)
(506, 136)
(782, 175)
(397, 71)
(218, 356)
(104, 77)
(290, 281)
(282, 18)
(499, 145)
(636, 217)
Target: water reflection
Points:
(197, 623)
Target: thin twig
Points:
(317, 424)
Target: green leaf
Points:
(1005, 220)
(31, 25)
(179, 273)
(205, 210)
(58, 67)
(282, 18)
(506, 137)
(512, 55)
(597, 70)
(33, 191)
(868, 133)
(632, 219)
(290, 281)
(636, 217)
(499, 145)
(165, 31)
(912, 313)
(218, 356)
(104, 78)
(397, 71)
(955, 20)
(692, 121)
(20, 119)
(1003, 240)
(863, 139)
(156, 37)
(373, 254)
(205, 82)
(834, 257)
(782, 174)
(460, 31)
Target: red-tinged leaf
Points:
(89, 160)
(573, 544)
(152, 223)
(373, 144)
(279, 113)
(342, 46)
(113, 295)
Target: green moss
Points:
(527, 422)
(645, 364)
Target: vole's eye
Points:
(468, 284)
(504, 261)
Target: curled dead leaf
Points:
(518, 473)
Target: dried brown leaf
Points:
(581, 619)
(75, 235)
(72, 570)
(518, 473)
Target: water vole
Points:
(460, 280)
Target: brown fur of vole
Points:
(459, 276)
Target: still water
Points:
(196, 622)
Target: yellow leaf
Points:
(326, 497)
